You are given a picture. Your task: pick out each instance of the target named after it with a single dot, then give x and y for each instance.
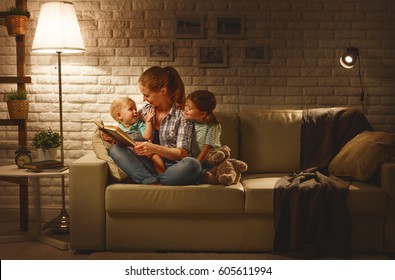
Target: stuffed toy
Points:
(226, 171)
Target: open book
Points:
(116, 134)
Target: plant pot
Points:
(18, 109)
(16, 25)
(47, 154)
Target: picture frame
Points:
(230, 26)
(189, 27)
(160, 52)
(212, 55)
(255, 54)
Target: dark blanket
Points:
(311, 217)
(310, 213)
(325, 131)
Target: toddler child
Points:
(199, 107)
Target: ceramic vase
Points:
(47, 154)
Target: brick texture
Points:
(306, 39)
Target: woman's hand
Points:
(145, 148)
(106, 138)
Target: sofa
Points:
(109, 213)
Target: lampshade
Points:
(349, 58)
(58, 30)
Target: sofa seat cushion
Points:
(202, 199)
(362, 199)
(259, 192)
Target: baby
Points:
(124, 111)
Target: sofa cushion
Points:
(230, 131)
(362, 199)
(101, 147)
(270, 140)
(259, 192)
(208, 199)
(362, 155)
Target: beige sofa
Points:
(106, 215)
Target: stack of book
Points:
(46, 166)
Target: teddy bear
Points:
(226, 171)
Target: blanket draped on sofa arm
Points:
(310, 212)
(325, 131)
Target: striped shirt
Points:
(175, 131)
(205, 134)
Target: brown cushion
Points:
(363, 155)
(101, 147)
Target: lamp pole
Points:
(61, 224)
(60, 105)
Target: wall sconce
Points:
(348, 60)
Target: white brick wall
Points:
(306, 39)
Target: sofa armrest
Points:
(388, 185)
(88, 180)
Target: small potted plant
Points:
(46, 142)
(16, 21)
(17, 104)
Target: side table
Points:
(23, 195)
(12, 171)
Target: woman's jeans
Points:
(141, 169)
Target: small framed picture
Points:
(229, 27)
(160, 51)
(255, 54)
(213, 55)
(190, 27)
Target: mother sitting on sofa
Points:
(164, 90)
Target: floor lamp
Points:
(58, 32)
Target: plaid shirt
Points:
(175, 131)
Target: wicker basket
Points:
(18, 109)
(16, 25)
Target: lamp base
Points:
(61, 224)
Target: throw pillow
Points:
(363, 155)
(101, 147)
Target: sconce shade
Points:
(58, 30)
(349, 58)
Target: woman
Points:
(164, 90)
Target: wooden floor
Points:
(31, 250)
(35, 250)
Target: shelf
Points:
(15, 80)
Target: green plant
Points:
(46, 139)
(17, 11)
(16, 95)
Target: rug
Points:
(183, 256)
(159, 255)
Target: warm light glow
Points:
(58, 30)
(348, 59)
